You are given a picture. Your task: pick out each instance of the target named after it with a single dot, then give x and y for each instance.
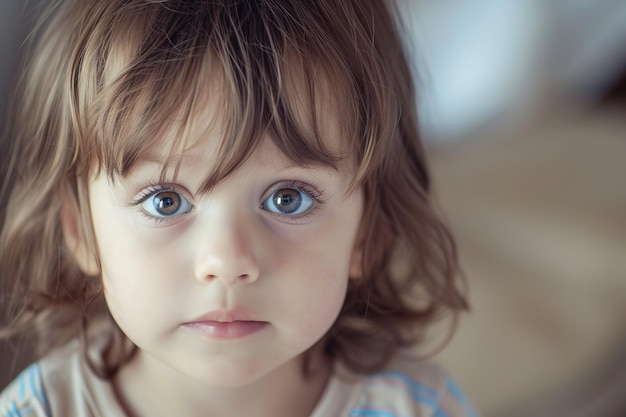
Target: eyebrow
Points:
(187, 161)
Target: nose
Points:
(226, 252)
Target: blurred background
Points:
(523, 107)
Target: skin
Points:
(226, 253)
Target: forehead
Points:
(210, 132)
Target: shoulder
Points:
(25, 396)
(61, 384)
(410, 388)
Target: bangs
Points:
(273, 76)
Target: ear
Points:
(75, 239)
(356, 262)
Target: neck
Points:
(147, 388)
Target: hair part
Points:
(121, 66)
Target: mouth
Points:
(232, 324)
(226, 329)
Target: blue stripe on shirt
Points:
(33, 383)
(15, 412)
(361, 412)
(41, 394)
(421, 394)
(460, 397)
(22, 386)
(439, 413)
(29, 383)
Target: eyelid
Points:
(146, 192)
(150, 191)
(312, 191)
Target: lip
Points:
(232, 324)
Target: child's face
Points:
(267, 253)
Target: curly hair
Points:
(100, 89)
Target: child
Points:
(221, 208)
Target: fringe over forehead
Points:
(140, 65)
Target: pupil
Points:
(287, 200)
(166, 203)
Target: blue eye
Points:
(288, 201)
(164, 204)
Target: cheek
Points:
(314, 292)
(137, 277)
(323, 302)
(321, 267)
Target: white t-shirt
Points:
(62, 385)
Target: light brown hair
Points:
(99, 90)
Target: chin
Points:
(229, 376)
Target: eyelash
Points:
(150, 191)
(311, 190)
